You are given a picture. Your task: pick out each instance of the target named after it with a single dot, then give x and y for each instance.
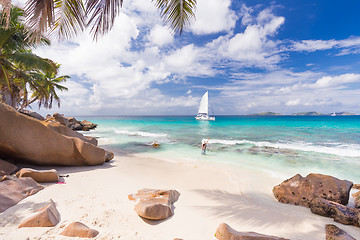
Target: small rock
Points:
(335, 233)
(300, 191)
(357, 199)
(14, 190)
(40, 176)
(32, 114)
(6, 168)
(108, 156)
(340, 213)
(155, 204)
(78, 229)
(47, 216)
(356, 186)
(225, 232)
(75, 126)
(60, 118)
(88, 125)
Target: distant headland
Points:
(303, 114)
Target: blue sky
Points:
(252, 56)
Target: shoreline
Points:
(97, 196)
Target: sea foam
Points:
(346, 150)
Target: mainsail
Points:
(203, 108)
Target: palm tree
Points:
(70, 17)
(44, 88)
(17, 61)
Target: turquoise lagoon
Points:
(279, 145)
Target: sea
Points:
(278, 145)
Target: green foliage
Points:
(21, 70)
(67, 18)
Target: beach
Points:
(98, 197)
(233, 183)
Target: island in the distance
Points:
(303, 114)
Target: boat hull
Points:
(205, 118)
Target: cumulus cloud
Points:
(189, 61)
(160, 35)
(213, 16)
(337, 80)
(253, 47)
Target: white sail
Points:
(203, 108)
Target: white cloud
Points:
(293, 102)
(213, 16)
(253, 47)
(337, 80)
(161, 35)
(189, 61)
(314, 45)
(287, 92)
(347, 46)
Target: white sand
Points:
(210, 195)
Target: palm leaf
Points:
(178, 14)
(102, 15)
(40, 15)
(29, 60)
(70, 18)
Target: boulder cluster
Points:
(71, 122)
(27, 139)
(24, 183)
(324, 195)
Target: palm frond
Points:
(28, 60)
(102, 15)
(40, 15)
(6, 16)
(70, 18)
(178, 14)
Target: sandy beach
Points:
(98, 197)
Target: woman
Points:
(203, 146)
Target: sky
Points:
(253, 56)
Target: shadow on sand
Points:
(260, 211)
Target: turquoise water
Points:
(281, 145)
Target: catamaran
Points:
(204, 109)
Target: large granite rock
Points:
(32, 114)
(14, 190)
(28, 139)
(357, 199)
(225, 232)
(300, 191)
(340, 213)
(40, 176)
(59, 128)
(7, 168)
(48, 216)
(78, 229)
(335, 233)
(155, 204)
